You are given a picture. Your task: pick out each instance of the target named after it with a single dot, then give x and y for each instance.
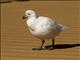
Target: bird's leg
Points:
(52, 47)
(53, 43)
(42, 44)
(40, 48)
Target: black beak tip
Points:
(23, 17)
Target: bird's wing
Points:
(50, 24)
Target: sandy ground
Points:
(17, 42)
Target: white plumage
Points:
(42, 27)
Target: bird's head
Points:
(29, 14)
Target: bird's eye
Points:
(28, 13)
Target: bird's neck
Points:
(33, 17)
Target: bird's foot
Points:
(50, 47)
(37, 49)
(47, 47)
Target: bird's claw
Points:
(37, 49)
(49, 47)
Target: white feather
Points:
(43, 27)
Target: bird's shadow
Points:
(22, 0)
(13, 0)
(63, 46)
(6, 2)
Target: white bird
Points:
(42, 27)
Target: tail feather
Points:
(62, 26)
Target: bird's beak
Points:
(24, 17)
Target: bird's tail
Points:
(63, 27)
